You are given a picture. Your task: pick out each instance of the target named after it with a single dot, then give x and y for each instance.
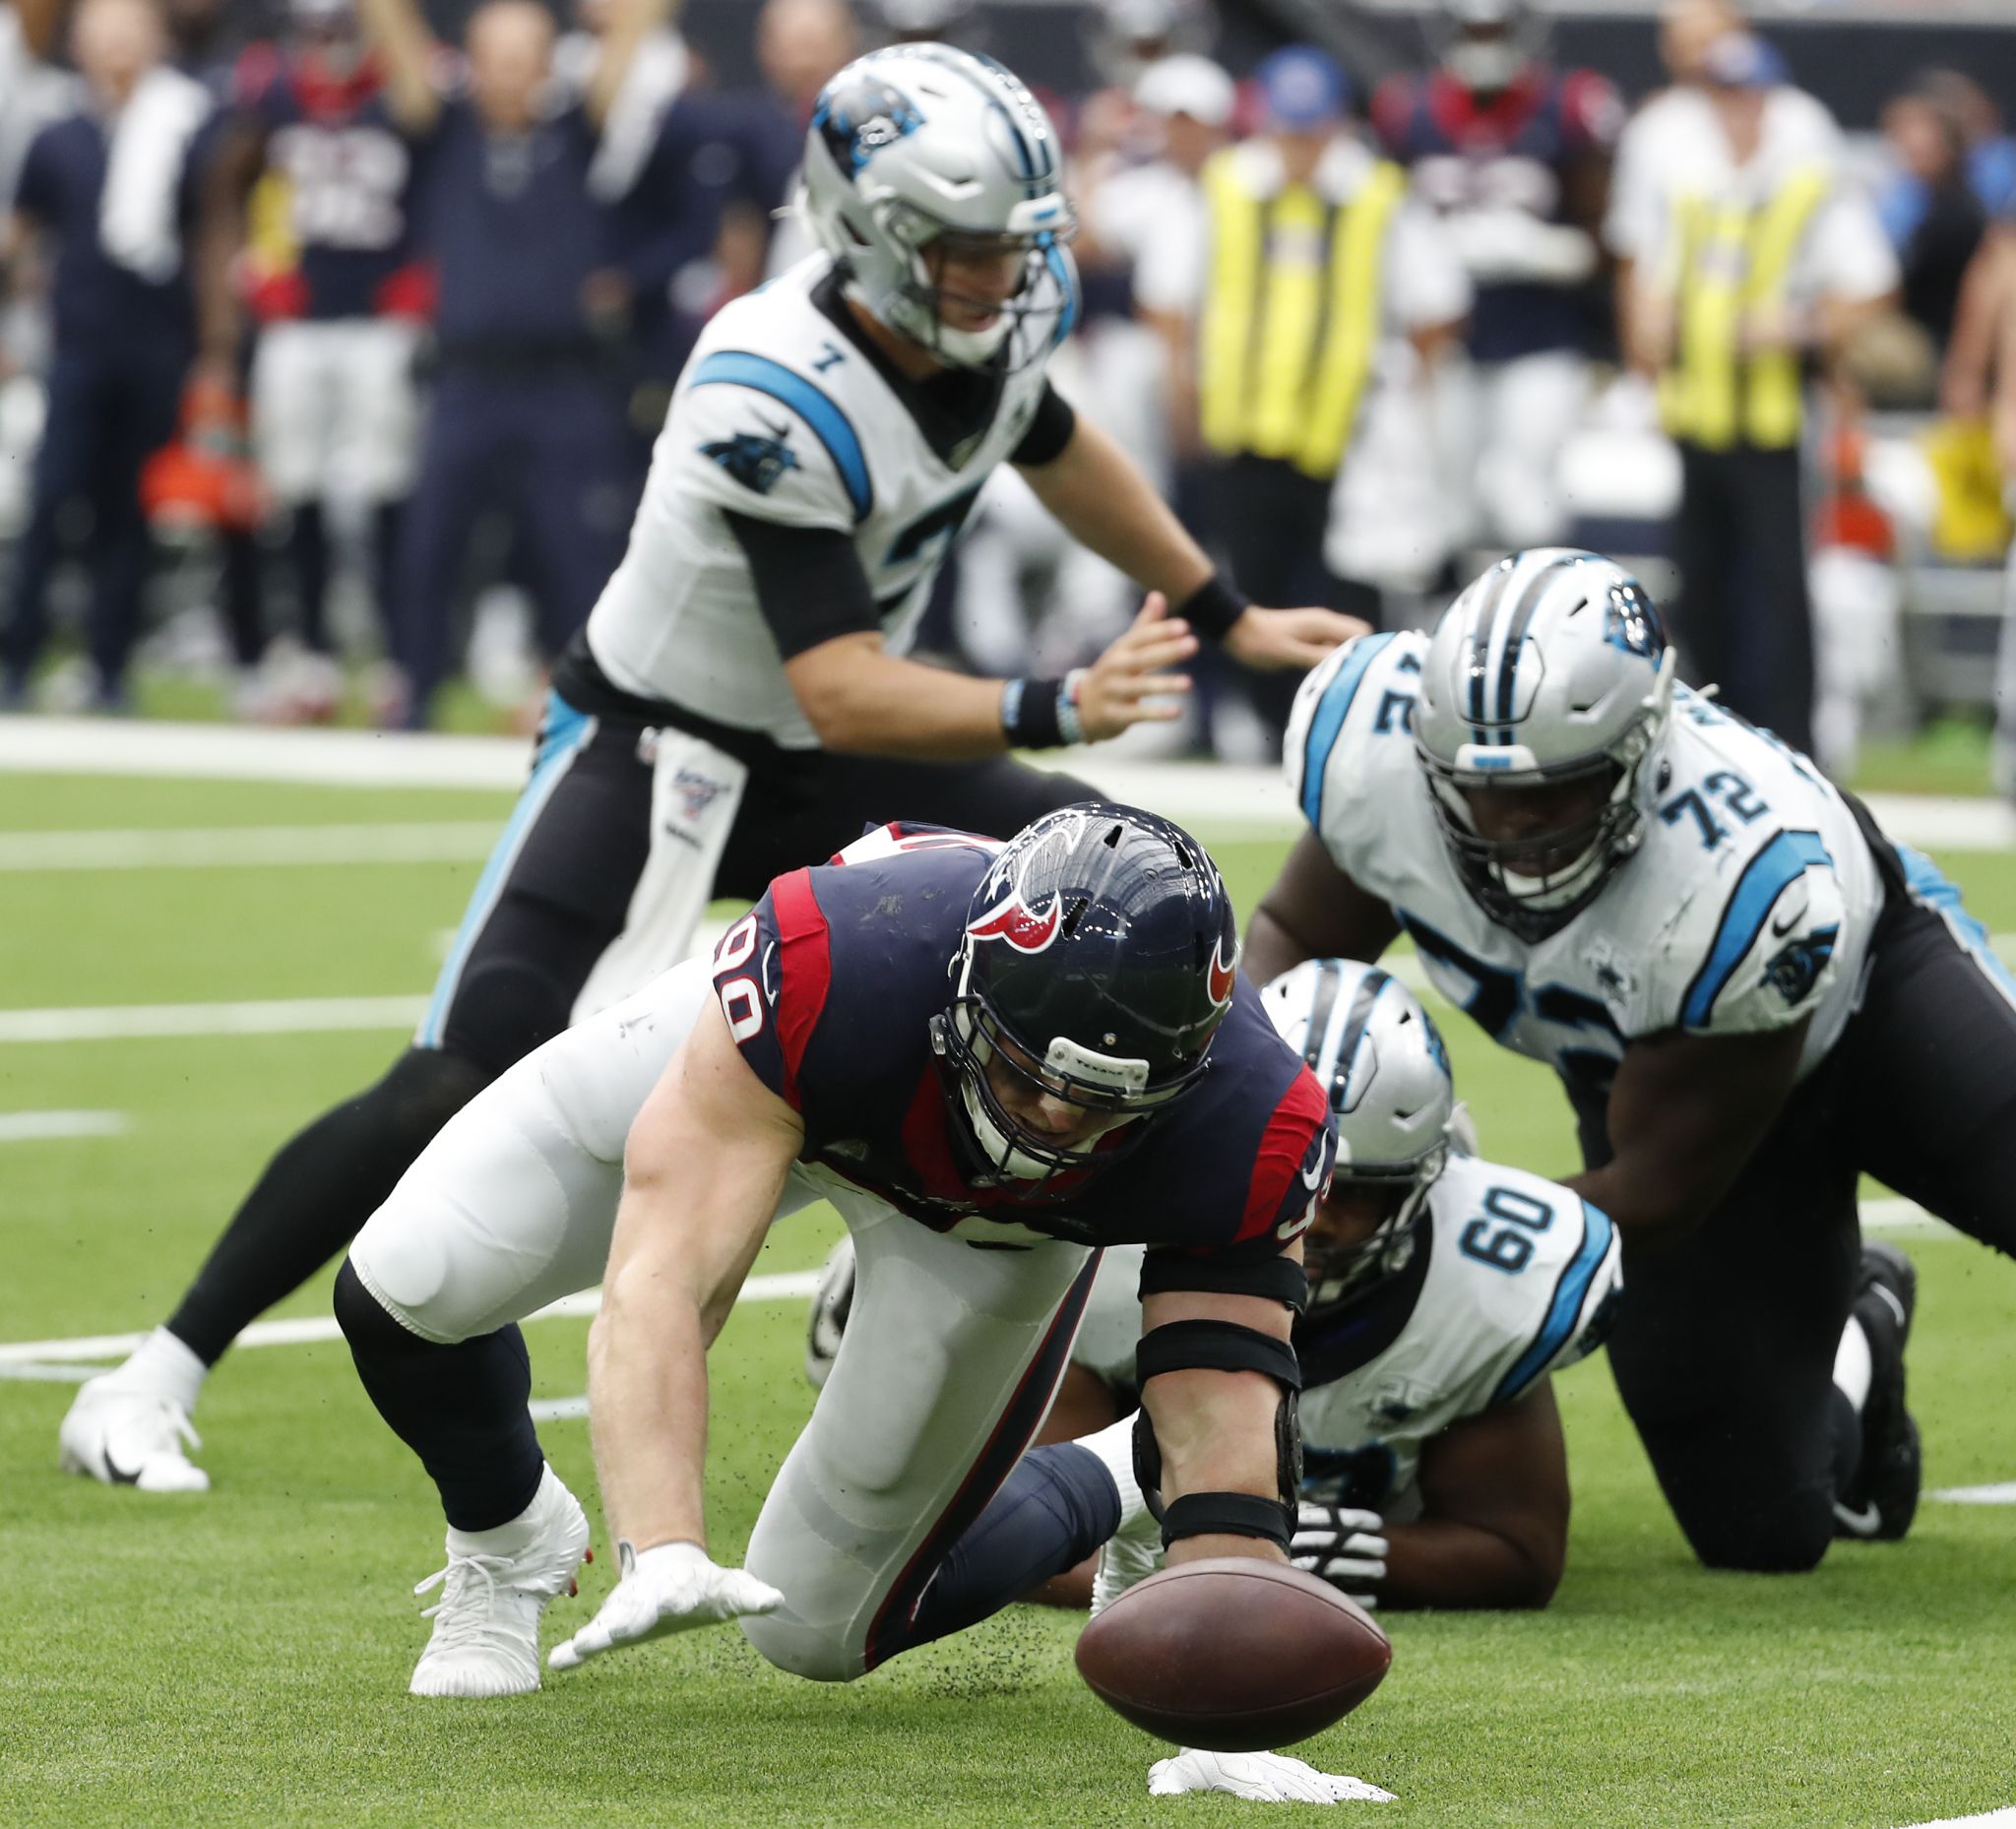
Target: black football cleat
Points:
(1882, 1498)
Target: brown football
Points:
(1233, 1654)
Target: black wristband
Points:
(1213, 607)
(1028, 714)
(1228, 1514)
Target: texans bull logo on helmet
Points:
(1021, 926)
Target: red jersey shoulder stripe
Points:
(1284, 1148)
(804, 971)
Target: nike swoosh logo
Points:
(119, 1476)
(1312, 1178)
(1863, 1523)
(1780, 929)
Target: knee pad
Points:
(503, 1009)
(1789, 1538)
(804, 1650)
(367, 1325)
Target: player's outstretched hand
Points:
(1260, 1778)
(1344, 1548)
(1130, 683)
(672, 1588)
(1290, 638)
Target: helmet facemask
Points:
(1114, 1094)
(1338, 1271)
(1026, 325)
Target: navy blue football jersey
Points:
(829, 985)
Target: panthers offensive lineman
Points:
(993, 1061)
(1751, 996)
(738, 703)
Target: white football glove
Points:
(672, 1588)
(1344, 1548)
(1261, 1778)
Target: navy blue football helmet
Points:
(1099, 958)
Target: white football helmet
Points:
(1551, 668)
(1380, 1058)
(917, 144)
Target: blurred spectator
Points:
(1514, 157)
(1123, 38)
(1999, 292)
(799, 45)
(110, 187)
(526, 411)
(31, 93)
(1930, 210)
(338, 302)
(1767, 257)
(1314, 275)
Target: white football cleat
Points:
(487, 1623)
(1132, 1553)
(128, 1436)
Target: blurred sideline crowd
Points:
(331, 353)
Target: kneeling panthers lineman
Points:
(993, 1061)
(1751, 996)
(741, 701)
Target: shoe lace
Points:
(467, 1602)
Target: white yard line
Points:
(776, 1287)
(44, 1126)
(285, 1017)
(1995, 1819)
(262, 846)
(2002, 1494)
(1211, 796)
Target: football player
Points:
(739, 702)
(1443, 1289)
(338, 301)
(1751, 994)
(993, 1061)
(1515, 157)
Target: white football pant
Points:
(951, 1357)
(335, 411)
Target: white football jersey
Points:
(1748, 905)
(780, 417)
(1510, 1278)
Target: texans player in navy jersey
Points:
(994, 1060)
(340, 305)
(1515, 157)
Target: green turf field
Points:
(241, 1658)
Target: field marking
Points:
(776, 1287)
(1998, 1819)
(288, 1016)
(40, 1126)
(1250, 797)
(558, 1409)
(2002, 1494)
(204, 847)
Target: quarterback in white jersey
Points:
(1724, 959)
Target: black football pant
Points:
(1743, 618)
(1723, 1350)
(562, 899)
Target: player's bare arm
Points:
(863, 699)
(406, 50)
(631, 22)
(706, 1158)
(1494, 1525)
(1314, 911)
(234, 169)
(1093, 488)
(1216, 1430)
(1685, 1114)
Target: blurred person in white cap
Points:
(1765, 259)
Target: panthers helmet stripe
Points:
(1369, 986)
(1316, 1037)
(1515, 638)
(1033, 151)
(1485, 620)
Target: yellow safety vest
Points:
(1291, 313)
(1736, 259)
